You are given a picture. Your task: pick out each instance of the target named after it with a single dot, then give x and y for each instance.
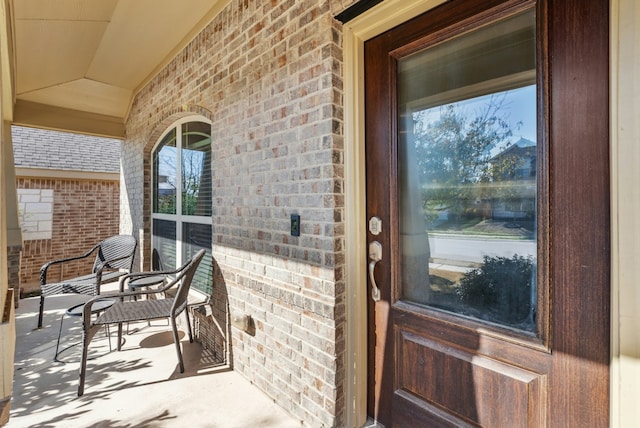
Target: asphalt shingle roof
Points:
(38, 148)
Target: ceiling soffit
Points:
(91, 56)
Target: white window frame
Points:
(178, 217)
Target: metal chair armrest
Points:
(45, 267)
(138, 275)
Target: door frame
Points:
(377, 20)
(625, 228)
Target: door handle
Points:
(375, 255)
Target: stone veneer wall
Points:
(268, 75)
(84, 213)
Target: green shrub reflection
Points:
(501, 288)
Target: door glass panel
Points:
(467, 168)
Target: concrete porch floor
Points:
(140, 386)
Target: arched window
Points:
(181, 214)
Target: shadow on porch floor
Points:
(141, 386)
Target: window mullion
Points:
(179, 219)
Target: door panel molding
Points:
(521, 393)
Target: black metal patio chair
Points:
(167, 301)
(114, 258)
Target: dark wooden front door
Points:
(488, 216)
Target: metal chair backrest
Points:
(184, 277)
(116, 247)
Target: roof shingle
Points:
(38, 148)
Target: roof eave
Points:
(37, 115)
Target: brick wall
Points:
(84, 213)
(268, 76)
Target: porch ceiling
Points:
(78, 63)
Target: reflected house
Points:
(514, 196)
(510, 195)
(522, 159)
(164, 187)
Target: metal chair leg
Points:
(87, 335)
(41, 312)
(120, 336)
(176, 340)
(55, 357)
(186, 312)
